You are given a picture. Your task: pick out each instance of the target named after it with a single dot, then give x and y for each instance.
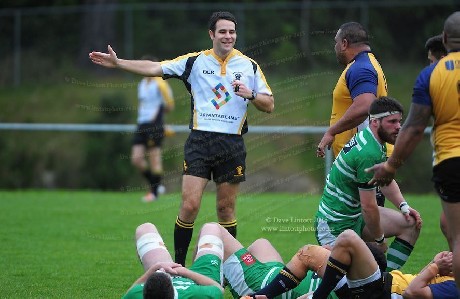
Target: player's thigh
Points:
(264, 251)
(137, 152)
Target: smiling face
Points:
(223, 38)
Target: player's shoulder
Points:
(183, 57)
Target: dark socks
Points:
(334, 272)
(153, 179)
(230, 226)
(282, 283)
(182, 236)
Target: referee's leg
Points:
(226, 202)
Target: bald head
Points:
(451, 35)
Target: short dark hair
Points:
(379, 256)
(158, 286)
(436, 47)
(385, 104)
(220, 15)
(354, 33)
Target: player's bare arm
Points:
(418, 288)
(393, 193)
(198, 278)
(353, 117)
(371, 214)
(263, 102)
(169, 267)
(410, 135)
(145, 68)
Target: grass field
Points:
(79, 244)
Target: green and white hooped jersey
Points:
(214, 105)
(340, 200)
(185, 288)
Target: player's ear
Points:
(211, 34)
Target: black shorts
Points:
(222, 156)
(149, 134)
(378, 289)
(446, 178)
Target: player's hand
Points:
(169, 267)
(241, 90)
(444, 262)
(105, 59)
(383, 174)
(416, 215)
(325, 141)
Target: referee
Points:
(222, 82)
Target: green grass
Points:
(79, 244)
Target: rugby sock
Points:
(230, 226)
(282, 283)
(154, 183)
(182, 236)
(334, 272)
(148, 176)
(398, 254)
(154, 180)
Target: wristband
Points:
(404, 208)
(380, 240)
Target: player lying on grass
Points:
(246, 270)
(353, 266)
(168, 280)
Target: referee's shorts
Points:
(217, 156)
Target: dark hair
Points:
(158, 286)
(379, 256)
(436, 47)
(354, 33)
(220, 15)
(385, 104)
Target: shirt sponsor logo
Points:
(216, 115)
(208, 72)
(222, 96)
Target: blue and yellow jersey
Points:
(401, 281)
(362, 75)
(438, 86)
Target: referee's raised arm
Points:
(145, 68)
